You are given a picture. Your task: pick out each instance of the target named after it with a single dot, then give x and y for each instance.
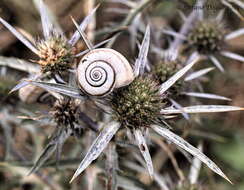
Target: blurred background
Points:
(22, 140)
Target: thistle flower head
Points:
(164, 70)
(64, 112)
(207, 36)
(138, 104)
(56, 55)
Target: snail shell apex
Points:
(103, 69)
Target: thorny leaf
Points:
(49, 24)
(19, 64)
(234, 34)
(226, 3)
(60, 88)
(97, 147)
(111, 167)
(94, 47)
(142, 57)
(178, 106)
(144, 150)
(19, 36)
(232, 56)
(201, 109)
(217, 63)
(166, 85)
(74, 39)
(206, 95)
(195, 167)
(83, 35)
(158, 178)
(198, 74)
(57, 141)
(170, 136)
(24, 83)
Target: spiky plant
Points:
(206, 37)
(138, 117)
(139, 103)
(56, 53)
(64, 112)
(163, 70)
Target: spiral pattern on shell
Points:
(102, 70)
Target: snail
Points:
(101, 70)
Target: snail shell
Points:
(103, 69)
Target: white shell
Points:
(103, 69)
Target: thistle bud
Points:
(207, 37)
(139, 103)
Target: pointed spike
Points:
(19, 36)
(231, 7)
(206, 95)
(195, 167)
(202, 109)
(60, 88)
(198, 73)
(94, 47)
(142, 57)
(47, 25)
(177, 140)
(144, 150)
(74, 39)
(172, 80)
(178, 106)
(83, 35)
(22, 84)
(233, 56)
(61, 136)
(234, 34)
(217, 63)
(97, 147)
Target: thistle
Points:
(138, 104)
(163, 70)
(137, 117)
(207, 37)
(56, 55)
(64, 112)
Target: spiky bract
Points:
(138, 104)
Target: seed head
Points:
(207, 37)
(138, 104)
(166, 69)
(55, 55)
(64, 112)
